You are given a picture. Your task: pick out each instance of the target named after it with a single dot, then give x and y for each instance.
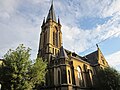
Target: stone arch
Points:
(80, 76)
(87, 76)
(54, 36)
(91, 77)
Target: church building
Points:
(66, 70)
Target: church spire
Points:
(51, 14)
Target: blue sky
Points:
(84, 23)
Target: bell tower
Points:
(50, 36)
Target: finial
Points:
(58, 20)
(97, 45)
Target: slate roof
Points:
(73, 54)
(62, 53)
(92, 58)
(51, 14)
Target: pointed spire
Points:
(62, 54)
(51, 14)
(43, 21)
(58, 20)
(98, 49)
(97, 46)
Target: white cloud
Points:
(20, 20)
(17, 33)
(8, 7)
(77, 39)
(40, 1)
(17, 28)
(112, 8)
(114, 60)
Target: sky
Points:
(85, 23)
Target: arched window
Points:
(87, 76)
(80, 77)
(69, 79)
(90, 77)
(53, 38)
(57, 38)
(45, 38)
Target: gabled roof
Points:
(51, 14)
(92, 58)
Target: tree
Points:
(109, 79)
(18, 72)
(38, 71)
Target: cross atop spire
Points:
(51, 14)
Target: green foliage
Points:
(18, 72)
(38, 71)
(109, 79)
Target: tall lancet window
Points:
(80, 77)
(57, 38)
(90, 77)
(53, 38)
(45, 38)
